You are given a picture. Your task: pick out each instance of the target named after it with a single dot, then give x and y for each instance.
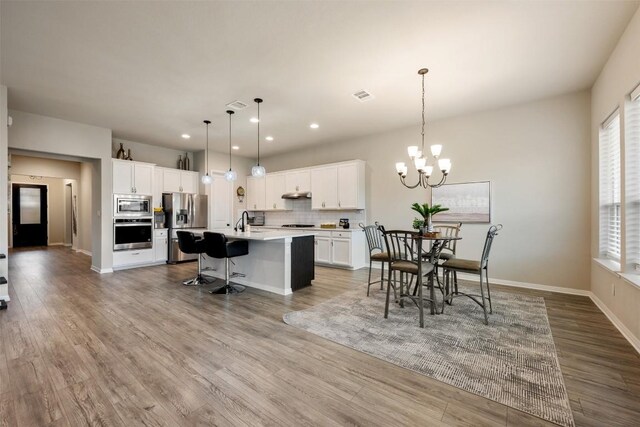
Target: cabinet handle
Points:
(274, 206)
(339, 205)
(297, 188)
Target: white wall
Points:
(84, 208)
(536, 156)
(161, 156)
(4, 237)
(43, 134)
(618, 77)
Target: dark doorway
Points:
(29, 208)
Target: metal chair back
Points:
(493, 232)
(374, 236)
(449, 230)
(403, 245)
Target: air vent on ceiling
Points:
(237, 105)
(363, 96)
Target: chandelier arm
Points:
(442, 181)
(402, 180)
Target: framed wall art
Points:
(468, 202)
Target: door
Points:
(29, 215)
(255, 194)
(347, 186)
(189, 182)
(171, 180)
(199, 211)
(220, 202)
(158, 179)
(160, 248)
(341, 251)
(274, 189)
(324, 188)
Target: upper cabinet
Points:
(179, 181)
(297, 181)
(132, 177)
(256, 193)
(274, 189)
(324, 188)
(338, 187)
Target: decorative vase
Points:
(120, 152)
(187, 162)
(429, 224)
(129, 155)
(180, 162)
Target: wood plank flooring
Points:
(138, 348)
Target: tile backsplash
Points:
(302, 214)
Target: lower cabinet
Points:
(340, 249)
(132, 257)
(160, 245)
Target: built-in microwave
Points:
(129, 205)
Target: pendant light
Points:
(258, 171)
(230, 175)
(206, 178)
(418, 156)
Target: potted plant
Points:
(427, 212)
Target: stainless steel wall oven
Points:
(132, 233)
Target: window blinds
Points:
(610, 211)
(632, 175)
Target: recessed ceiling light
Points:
(314, 126)
(254, 120)
(269, 138)
(235, 147)
(186, 136)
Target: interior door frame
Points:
(11, 216)
(216, 174)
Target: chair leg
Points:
(455, 281)
(486, 272)
(421, 301)
(402, 276)
(386, 304)
(382, 277)
(369, 280)
(432, 291)
(484, 302)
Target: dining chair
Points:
(481, 268)
(377, 253)
(448, 250)
(405, 255)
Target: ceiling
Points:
(152, 71)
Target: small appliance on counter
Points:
(158, 218)
(256, 220)
(344, 223)
(328, 225)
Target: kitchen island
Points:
(278, 261)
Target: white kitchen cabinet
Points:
(256, 193)
(160, 245)
(158, 187)
(324, 188)
(274, 189)
(351, 186)
(297, 181)
(323, 250)
(132, 258)
(132, 177)
(345, 249)
(179, 181)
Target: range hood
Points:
(297, 195)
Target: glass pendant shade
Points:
(412, 151)
(400, 167)
(230, 175)
(436, 150)
(207, 179)
(444, 165)
(420, 162)
(428, 170)
(258, 171)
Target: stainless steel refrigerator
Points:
(184, 211)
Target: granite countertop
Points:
(261, 235)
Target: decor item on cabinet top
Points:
(180, 162)
(230, 175)
(257, 170)
(186, 165)
(129, 157)
(120, 153)
(206, 178)
(427, 213)
(418, 156)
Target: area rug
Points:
(512, 361)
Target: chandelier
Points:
(419, 159)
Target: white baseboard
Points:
(526, 285)
(56, 244)
(633, 340)
(101, 270)
(5, 298)
(83, 251)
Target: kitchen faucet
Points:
(242, 225)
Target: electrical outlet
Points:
(613, 289)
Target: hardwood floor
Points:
(138, 348)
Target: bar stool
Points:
(189, 244)
(217, 246)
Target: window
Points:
(632, 174)
(610, 210)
